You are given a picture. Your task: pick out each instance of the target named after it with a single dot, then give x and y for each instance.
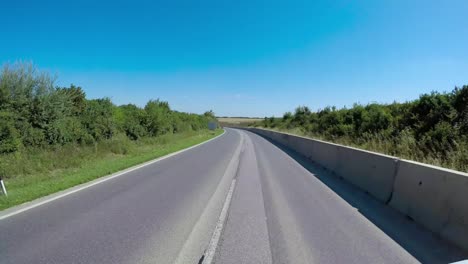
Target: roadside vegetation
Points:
(432, 129)
(52, 138)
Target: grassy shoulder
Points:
(35, 173)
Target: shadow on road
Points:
(425, 246)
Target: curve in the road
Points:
(282, 210)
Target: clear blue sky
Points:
(243, 58)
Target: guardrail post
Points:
(3, 187)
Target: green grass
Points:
(34, 173)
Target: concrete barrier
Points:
(323, 153)
(372, 172)
(435, 197)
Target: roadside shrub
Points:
(97, 118)
(9, 136)
(431, 129)
(34, 113)
(158, 118)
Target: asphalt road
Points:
(283, 210)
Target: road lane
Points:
(328, 230)
(307, 222)
(245, 238)
(144, 216)
(280, 212)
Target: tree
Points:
(130, 119)
(98, 120)
(158, 118)
(9, 137)
(460, 103)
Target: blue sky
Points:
(243, 58)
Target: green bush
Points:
(433, 128)
(36, 114)
(9, 136)
(130, 119)
(158, 118)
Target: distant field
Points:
(237, 120)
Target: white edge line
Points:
(211, 250)
(98, 181)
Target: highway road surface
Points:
(236, 199)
